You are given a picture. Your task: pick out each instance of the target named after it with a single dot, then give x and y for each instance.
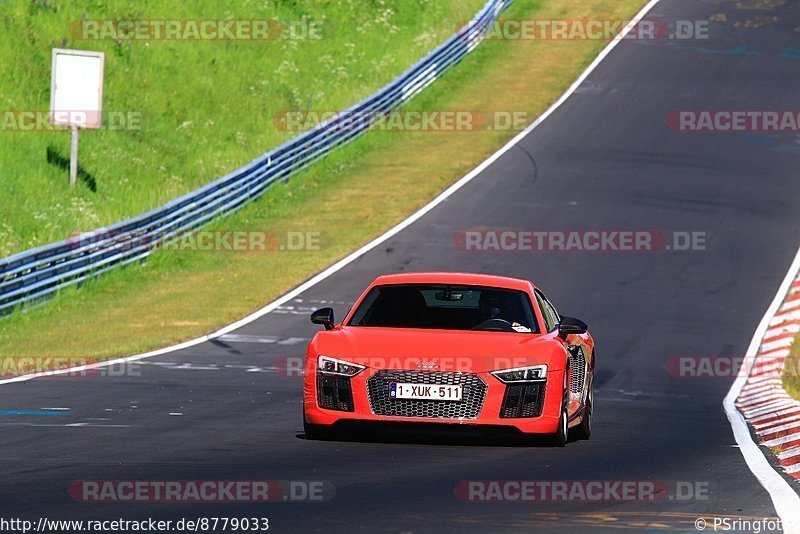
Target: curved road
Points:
(603, 161)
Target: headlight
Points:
(534, 373)
(332, 366)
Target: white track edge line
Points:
(784, 497)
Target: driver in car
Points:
(495, 306)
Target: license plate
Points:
(399, 390)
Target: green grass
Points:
(350, 197)
(791, 371)
(205, 108)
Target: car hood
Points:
(438, 350)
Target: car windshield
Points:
(446, 307)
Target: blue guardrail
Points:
(36, 274)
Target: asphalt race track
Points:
(605, 160)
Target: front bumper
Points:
(476, 408)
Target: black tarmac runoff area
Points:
(606, 160)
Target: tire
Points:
(584, 430)
(560, 437)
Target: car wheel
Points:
(584, 430)
(560, 437)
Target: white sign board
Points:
(76, 88)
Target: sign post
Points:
(76, 96)
(73, 159)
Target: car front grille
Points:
(473, 394)
(523, 400)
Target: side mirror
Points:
(571, 325)
(323, 316)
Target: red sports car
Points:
(451, 348)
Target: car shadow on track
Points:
(432, 434)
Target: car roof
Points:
(470, 279)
